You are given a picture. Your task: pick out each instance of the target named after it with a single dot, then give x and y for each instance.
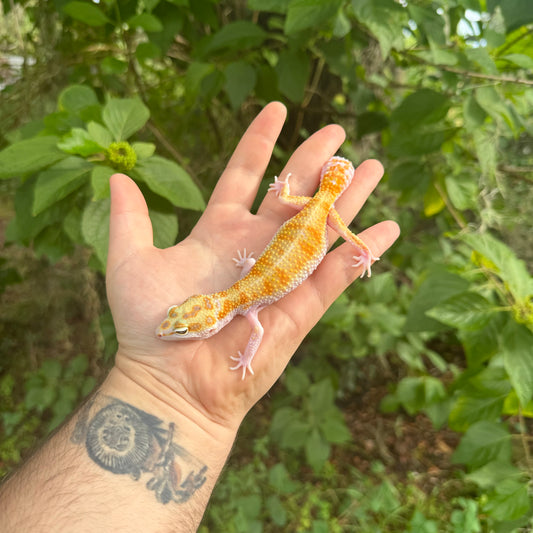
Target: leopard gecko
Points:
(293, 254)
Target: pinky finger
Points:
(337, 270)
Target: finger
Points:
(242, 176)
(336, 272)
(302, 308)
(366, 177)
(130, 228)
(304, 167)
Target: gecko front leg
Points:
(245, 262)
(244, 360)
(282, 191)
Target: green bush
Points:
(440, 91)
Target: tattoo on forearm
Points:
(125, 440)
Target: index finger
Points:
(241, 178)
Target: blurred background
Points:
(408, 408)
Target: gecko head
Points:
(195, 318)
(336, 174)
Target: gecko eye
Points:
(181, 331)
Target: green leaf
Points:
(474, 115)
(296, 381)
(522, 60)
(469, 409)
(503, 262)
(80, 142)
(165, 228)
(124, 117)
(486, 152)
(95, 228)
(371, 122)
(516, 346)
(112, 66)
(494, 473)
(509, 501)
(482, 443)
(385, 19)
(240, 81)
(147, 51)
(51, 370)
(237, 36)
(280, 480)
(40, 398)
(143, 150)
(430, 21)
(76, 97)
(420, 142)
(438, 286)
(250, 505)
(100, 181)
(480, 345)
(169, 180)
(288, 429)
(58, 181)
(99, 134)
(317, 450)
(146, 21)
(516, 13)
(498, 108)
(466, 310)
(272, 6)
(293, 69)
(77, 366)
(321, 397)
(411, 178)
(28, 156)
(304, 14)
(335, 430)
(463, 191)
(86, 12)
(277, 512)
(424, 106)
(410, 394)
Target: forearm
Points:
(124, 462)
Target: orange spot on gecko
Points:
(227, 307)
(194, 311)
(208, 304)
(195, 326)
(209, 320)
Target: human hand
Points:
(143, 281)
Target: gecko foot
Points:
(245, 262)
(243, 258)
(365, 260)
(241, 362)
(278, 185)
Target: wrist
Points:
(133, 384)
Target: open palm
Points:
(144, 281)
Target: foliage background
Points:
(409, 406)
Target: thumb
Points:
(130, 228)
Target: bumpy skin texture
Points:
(292, 255)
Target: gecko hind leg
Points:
(365, 257)
(244, 360)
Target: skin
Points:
(189, 384)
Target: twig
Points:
(172, 150)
